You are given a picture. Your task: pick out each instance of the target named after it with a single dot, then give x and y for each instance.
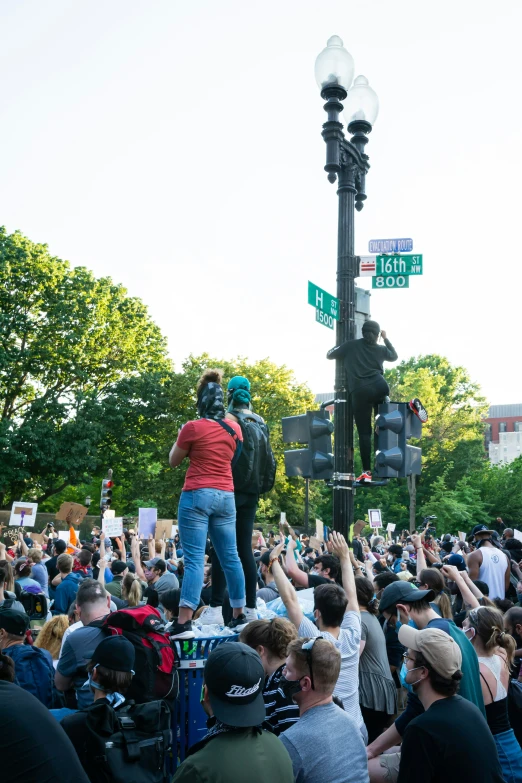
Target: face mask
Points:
(290, 687)
(114, 699)
(398, 623)
(404, 673)
(468, 630)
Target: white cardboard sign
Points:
(113, 527)
(23, 514)
(517, 534)
(374, 515)
(390, 527)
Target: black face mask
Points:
(290, 687)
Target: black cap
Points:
(115, 653)
(403, 592)
(265, 558)
(234, 676)
(481, 529)
(14, 622)
(118, 567)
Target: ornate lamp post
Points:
(346, 162)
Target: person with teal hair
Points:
(254, 474)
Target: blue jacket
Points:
(66, 593)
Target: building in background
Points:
(503, 436)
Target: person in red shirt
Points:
(207, 502)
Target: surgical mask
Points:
(469, 629)
(404, 673)
(399, 623)
(290, 687)
(114, 698)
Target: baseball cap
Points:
(480, 529)
(234, 676)
(14, 622)
(156, 562)
(265, 558)
(115, 653)
(403, 592)
(457, 561)
(438, 648)
(20, 564)
(118, 567)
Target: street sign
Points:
(324, 318)
(391, 281)
(399, 265)
(367, 266)
(323, 301)
(390, 245)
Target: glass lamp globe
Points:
(334, 65)
(362, 102)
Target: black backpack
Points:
(129, 744)
(255, 469)
(35, 605)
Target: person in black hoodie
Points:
(363, 365)
(110, 674)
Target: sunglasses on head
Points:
(307, 647)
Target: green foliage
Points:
(69, 346)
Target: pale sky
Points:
(176, 146)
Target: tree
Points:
(456, 509)
(69, 343)
(454, 434)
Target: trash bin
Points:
(189, 718)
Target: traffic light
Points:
(394, 457)
(106, 492)
(315, 429)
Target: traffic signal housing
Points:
(395, 424)
(313, 428)
(106, 494)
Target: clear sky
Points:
(176, 147)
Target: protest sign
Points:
(315, 543)
(109, 514)
(113, 527)
(517, 534)
(147, 518)
(72, 513)
(163, 529)
(37, 538)
(374, 515)
(174, 532)
(390, 527)
(65, 535)
(319, 530)
(462, 537)
(23, 514)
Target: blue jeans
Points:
(510, 756)
(213, 511)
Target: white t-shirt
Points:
(347, 687)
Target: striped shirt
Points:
(281, 712)
(347, 643)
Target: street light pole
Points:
(346, 162)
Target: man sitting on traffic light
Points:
(363, 363)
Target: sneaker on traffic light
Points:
(241, 620)
(418, 409)
(364, 478)
(211, 615)
(250, 614)
(182, 630)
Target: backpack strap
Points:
(231, 431)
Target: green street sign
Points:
(391, 281)
(398, 265)
(323, 301)
(324, 318)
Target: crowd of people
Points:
(348, 661)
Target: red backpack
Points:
(156, 661)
